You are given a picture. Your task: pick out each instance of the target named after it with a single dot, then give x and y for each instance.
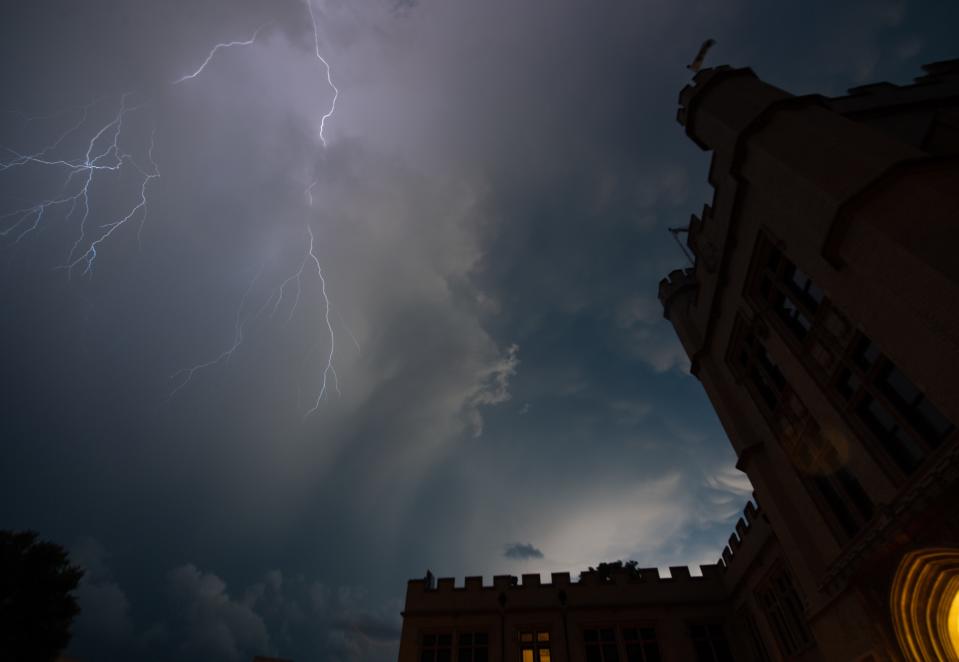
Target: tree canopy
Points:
(36, 603)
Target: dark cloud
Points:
(490, 218)
(522, 551)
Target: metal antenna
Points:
(675, 232)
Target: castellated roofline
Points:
(733, 554)
(678, 280)
(622, 585)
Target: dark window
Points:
(887, 409)
(890, 407)
(534, 646)
(601, 645)
(832, 485)
(784, 610)
(436, 648)
(751, 636)
(788, 291)
(710, 643)
(472, 647)
(641, 645)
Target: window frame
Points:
(536, 643)
(827, 351)
(435, 646)
(765, 588)
(838, 495)
(620, 640)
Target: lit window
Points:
(534, 646)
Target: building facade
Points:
(821, 316)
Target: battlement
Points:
(613, 586)
(643, 586)
(940, 82)
(744, 543)
(702, 79)
(677, 281)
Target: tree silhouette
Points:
(36, 606)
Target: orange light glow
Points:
(925, 605)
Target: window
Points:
(832, 485)
(534, 646)
(784, 610)
(640, 645)
(710, 643)
(436, 648)
(601, 645)
(887, 409)
(789, 292)
(887, 406)
(750, 635)
(472, 647)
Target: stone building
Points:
(821, 316)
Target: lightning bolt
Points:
(329, 75)
(329, 369)
(103, 154)
(104, 151)
(185, 376)
(213, 51)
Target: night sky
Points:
(489, 214)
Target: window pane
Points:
(764, 388)
(429, 639)
(836, 505)
(652, 653)
(648, 634)
(607, 635)
(542, 636)
(526, 636)
(610, 653)
(848, 383)
(630, 634)
(898, 387)
(593, 654)
(479, 655)
(543, 655)
(704, 652)
(854, 491)
(866, 353)
(466, 639)
(901, 448)
(934, 426)
(465, 655)
(426, 656)
(443, 655)
(480, 638)
(634, 653)
(590, 635)
(444, 640)
(528, 655)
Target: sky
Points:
(265, 356)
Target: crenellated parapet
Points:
(677, 282)
(751, 533)
(940, 81)
(700, 81)
(624, 589)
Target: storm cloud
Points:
(490, 217)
